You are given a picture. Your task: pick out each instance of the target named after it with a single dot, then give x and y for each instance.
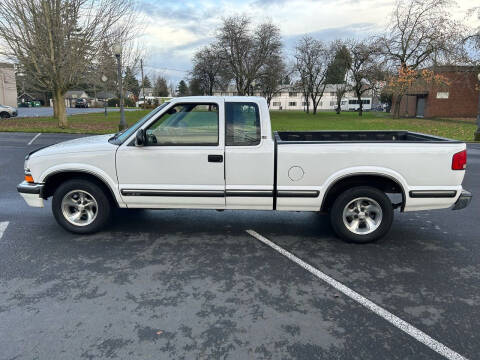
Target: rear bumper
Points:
(463, 200)
(31, 193)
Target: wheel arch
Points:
(383, 182)
(54, 179)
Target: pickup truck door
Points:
(249, 155)
(182, 162)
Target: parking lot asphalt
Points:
(194, 284)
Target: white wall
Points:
(289, 100)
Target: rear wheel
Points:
(4, 115)
(362, 214)
(80, 206)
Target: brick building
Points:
(460, 99)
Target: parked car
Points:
(219, 153)
(7, 112)
(81, 103)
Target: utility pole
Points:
(143, 84)
(118, 53)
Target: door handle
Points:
(215, 158)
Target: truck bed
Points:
(397, 136)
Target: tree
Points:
(160, 87)
(422, 33)
(247, 51)
(56, 42)
(182, 88)
(271, 77)
(408, 78)
(209, 69)
(312, 62)
(338, 70)
(364, 69)
(146, 82)
(130, 82)
(195, 88)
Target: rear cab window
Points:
(242, 124)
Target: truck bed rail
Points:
(301, 137)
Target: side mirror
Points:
(140, 139)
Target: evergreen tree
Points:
(146, 82)
(160, 88)
(131, 82)
(339, 66)
(182, 88)
(195, 87)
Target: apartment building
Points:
(291, 98)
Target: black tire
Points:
(4, 115)
(346, 198)
(103, 206)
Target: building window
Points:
(442, 95)
(304, 103)
(333, 103)
(292, 103)
(292, 94)
(275, 103)
(333, 93)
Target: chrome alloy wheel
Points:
(79, 208)
(362, 216)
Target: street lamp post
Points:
(118, 53)
(104, 80)
(477, 133)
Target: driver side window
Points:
(185, 124)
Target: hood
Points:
(84, 144)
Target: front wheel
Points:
(80, 206)
(362, 214)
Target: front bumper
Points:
(31, 193)
(463, 200)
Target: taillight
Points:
(459, 160)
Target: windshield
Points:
(123, 135)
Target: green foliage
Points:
(160, 88)
(130, 82)
(182, 89)
(146, 82)
(339, 66)
(195, 87)
(114, 102)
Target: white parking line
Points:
(3, 227)
(392, 319)
(34, 138)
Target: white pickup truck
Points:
(220, 153)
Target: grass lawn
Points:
(461, 129)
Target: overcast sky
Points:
(174, 29)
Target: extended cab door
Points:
(249, 154)
(182, 163)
